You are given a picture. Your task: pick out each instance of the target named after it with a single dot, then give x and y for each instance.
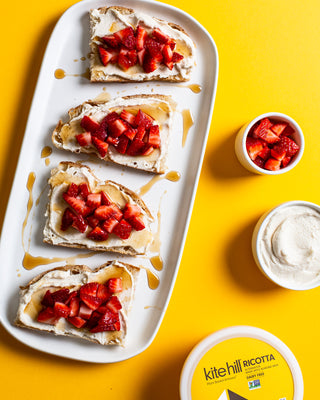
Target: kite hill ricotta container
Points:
(241, 363)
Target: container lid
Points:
(241, 363)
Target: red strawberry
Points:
(85, 311)
(108, 119)
(176, 57)
(130, 133)
(114, 304)
(131, 210)
(114, 285)
(135, 147)
(141, 131)
(47, 316)
(150, 63)
(128, 117)
(94, 200)
(122, 229)
(108, 322)
(105, 55)
(79, 223)
(111, 41)
(67, 219)
(126, 37)
(143, 119)
(117, 127)
(73, 190)
(74, 306)
(109, 224)
(89, 289)
(101, 146)
(104, 212)
(102, 293)
(147, 150)
(278, 155)
(141, 35)
(153, 47)
(105, 199)
(172, 44)
(154, 136)
(93, 221)
(89, 124)
(112, 140)
(47, 299)
(254, 147)
(263, 125)
(265, 153)
(98, 234)
(100, 133)
(77, 321)
(160, 36)
(268, 136)
(61, 309)
(272, 164)
(278, 128)
(140, 55)
(137, 223)
(127, 58)
(60, 295)
(77, 204)
(83, 190)
(167, 53)
(288, 145)
(285, 161)
(84, 139)
(259, 162)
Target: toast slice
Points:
(65, 311)
(132, 131)
(84, 212)
(131, 46)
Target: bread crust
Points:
(95, 77)
(115, 338)
(73, 113)
(49, 234)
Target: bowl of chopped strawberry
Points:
(271, 144)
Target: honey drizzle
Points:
(60, 74)
(153, 279)
(29, 261)
(157, 262)
(195, 88)
(46, 152)
(187, 124)
(172, 176)
(30, 183)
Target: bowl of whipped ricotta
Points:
(286, 245)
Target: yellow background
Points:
(269, 53)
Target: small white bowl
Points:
(257, 237)
(241, 149)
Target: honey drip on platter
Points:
(153, 279)
(46, 152)
(60, 74)
(195, 88)
(30, 183)
(172, 176)
(187, 124)
(30, 261)
(157, 262)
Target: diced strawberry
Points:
(101, 146)
(79, 223)
(84, 139)
(104, 212)
(150, 64)
(61, 309)
(89, 289)
(94, 200)
(169, 64)
(106, 327)
(105, 55)
(288, 145)
(111, 41)
(83, 190)
(74, 306)
(77, 321)
(278, 155)
(263, 125)
(105, 199)
(141, 54)
(100, 133)
(67, 219)
(102, 293)
(71, 296)
(47, 316)
(85, 311)
(60, 295)
(114, 285)
(113, 140)
(278, 128)
(154, 136)
(73, 190)
(172, 44)
(147, 150)
(268, 136)
(176, 57)
(131, 133)
(98, 234)
(259, 162)
(265, 153)
(285, 161)
(126, 37)
(254, 147)
(114, 304)
(109, 224)
(117, 127)
(93, 221)
(141, 35)
(108, 119)
(161, 36)
(131, 210)
(288, 131)
(122, 229)
(143, 119)
(141, 131)
(137, 223)
(167, 53)
(89, 124)
(128, 117)
(77, 204)
(127, 58)
(153, 47)
(135, 147)
(91, 301)
(272, 164)
(47, 299)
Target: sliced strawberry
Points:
(172, 44)
(98, 234)
(89, 289)
(141, 35)
(131, 133)
(122, 229)
(176, 57)
(169, 64)
(73, 190)
(261, 126)
(137, 223)
(71, 296)
(288, 145)
(288, 131)
(265, 153)
(147, 150)
(84, 139)
(108, 119)
(272, 164)
(122, 144)
(128, 117)
(100, 133)
(117, 127)
(89, 124)
(141, 131)
(254, 147)
(114, 304)
(126, 37)
(278, 155)
(111, 41)
(268, 136)
(67, 219)
(112, 140)
(79, 223)
(105, 199)
(154, 136)
(109, 224)
(94, 200)
(167, 53)
(114, 285)
(61, 309)
(60, 295)
(135, 147)
(131, 210)
(47, 299)
(105, 212)
(85, 311)
(127, 58)
(278, 128)
(141, 54)
(259, 162)
(47, 316)
(84, 190)
(106, 327)
(160, 36)
(150, 63)
(77, 204)
(105, 55)
(77, 321)
(93, 221)
(74, 306)
(285, 161)
(102, 293)
(143, 119)
(153, 47)
(101, 146)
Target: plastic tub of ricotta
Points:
(241, 363)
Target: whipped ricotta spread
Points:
(60, 181)
(31, 296)
(159, 108)
(290, 244)
(113, 20)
